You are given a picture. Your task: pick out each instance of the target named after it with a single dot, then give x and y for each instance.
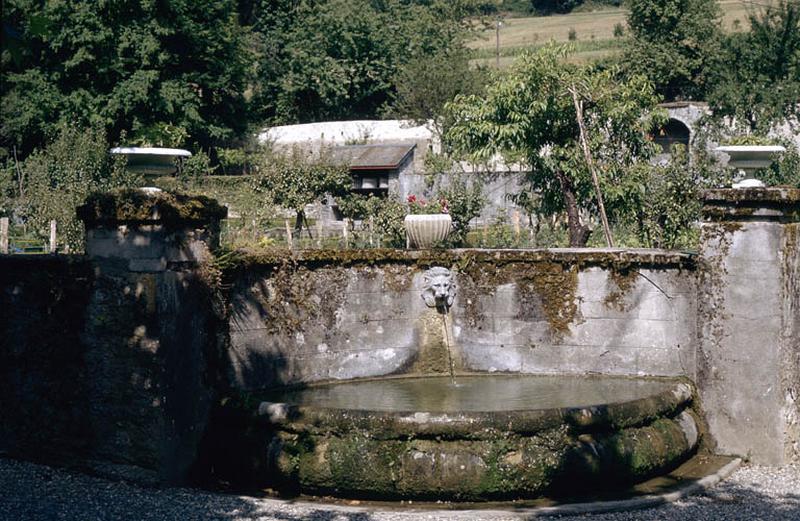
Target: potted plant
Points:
(427, 223)
(748, 154)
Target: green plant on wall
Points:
(671, 197)
(784, 171)
(465, 200)
(386, 213)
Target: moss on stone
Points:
(546, 280)
(623, 280)
(136, 206)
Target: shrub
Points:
(387, 214)
(671, 202)
(57, 179)
(465, 201)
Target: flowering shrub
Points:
(418, 205)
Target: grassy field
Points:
(594, 31)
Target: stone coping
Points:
(782, 195)
(480, 425)
(776, 204)
(138, 206)
(607, 257)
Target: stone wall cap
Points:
(139, 206)
(777, 194)
(448, 257)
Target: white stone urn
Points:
(749, 158)
(425, 230)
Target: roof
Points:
(372, 157)
(340, 132)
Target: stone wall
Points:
(115, 360)
(110, 361)
(43, 384)
(570, 311)
(749, 314)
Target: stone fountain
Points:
(395, 374)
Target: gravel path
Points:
(32, 492)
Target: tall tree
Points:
(163, 71)
(757, 76)
(425, 84)
(673, 44)
(338, 59)
(534, 114)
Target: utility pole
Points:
(497, 25)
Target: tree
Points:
(162, 71)
(545, 7)
(757, 77)
(338, 59)
(673, 44)
(531, 116)
(53, 181)
(295, 179)
(425, 84)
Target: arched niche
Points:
(671, 133)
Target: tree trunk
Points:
(578, 232)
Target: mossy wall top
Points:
(320, 315)
(132, 206)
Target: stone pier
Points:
(748, 361)
(150, 330)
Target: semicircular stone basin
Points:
(484, 437)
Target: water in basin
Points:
(485, 393)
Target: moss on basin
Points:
(475, 455)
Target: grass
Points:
(594, 29)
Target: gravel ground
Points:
(32, 492)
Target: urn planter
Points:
(749, 158)
(425, 230)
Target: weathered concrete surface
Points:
(748, 365)
(151, 331)
(109, 361)
(516, 311)
(43, 377)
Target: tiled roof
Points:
(372, 157)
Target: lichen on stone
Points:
(136, 206)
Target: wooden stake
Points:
(515, 222)
(371, 230)
(53, 236)
(289, 240)
(319, 233)
(4, 235)
(590, 163)
(345, 232)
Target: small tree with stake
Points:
(579, 131)
(295, 179)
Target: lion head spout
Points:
(439, 287)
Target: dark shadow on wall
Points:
(256, 312)
(234, 453)
(43, 379)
